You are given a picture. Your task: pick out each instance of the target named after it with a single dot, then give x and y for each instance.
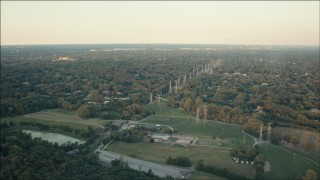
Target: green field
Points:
(18, 119)
(283, 164)
(165, 110)
(158, 153)
(304, 136)
(61, 111)
(199, 175)
(231, 136)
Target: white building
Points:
(160, 137)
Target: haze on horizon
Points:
(189, 22)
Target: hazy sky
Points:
(215, 22)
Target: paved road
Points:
(255, 139)
(194, 142)
(157, 169)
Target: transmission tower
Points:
(158, 97)
(185, 79)
(151, 99)
(260, 135)
(176, 87)
(269, 133)
(178, 80)
(197, 118)
(205, 116)
(193, 72)
(170, 87)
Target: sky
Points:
(179, 22)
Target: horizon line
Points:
(244, 44)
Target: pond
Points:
(53, 137)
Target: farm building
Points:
(119, 123)
(158, 137)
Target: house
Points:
(264, 84)
(119, 123)
(259, 109)
(315, 110)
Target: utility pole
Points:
(151, 99)
(176, 88)
(158, 99)
(269, 133)
(205, 116)
(198, 112)
(260, 135)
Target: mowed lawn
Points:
(51, 116)
(18, 119)
(284, 165)
(165, 110)
(159, 153)
(230, 134)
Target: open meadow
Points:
(304, 137)
(212, 132)
(18, 119)
(284, 164)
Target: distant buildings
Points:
(315, 110)
(64, 58)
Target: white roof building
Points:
(160, 137)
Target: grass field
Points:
(61, 111)
(159, 153)
(18, 119)
(303, 136)
(199, 175)
(232, 134)
(185, 124)
(165, 110)
(283, 164)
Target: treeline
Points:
(30, 83)
(88, 134)
(253, 127)
(11, 106)
(114, 110)
(214, 112)
(129, 135)
(25, 158)
(179, 161)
